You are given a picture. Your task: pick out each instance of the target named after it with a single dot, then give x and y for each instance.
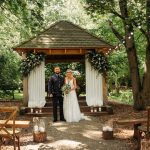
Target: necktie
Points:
(58, 80)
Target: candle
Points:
(40, 110)
(107, 128)
(36, 129)
(41, 129)
(110, 129)
(31, 110)
(104, 129)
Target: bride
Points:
(71, 106)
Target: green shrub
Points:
(124, 96)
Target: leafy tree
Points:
(118, 75)
(119, 72)
(9, 73)
(134, 16)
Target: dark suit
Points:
(55, 84)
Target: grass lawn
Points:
(18, 96)
(124, 96)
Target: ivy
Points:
(98, 61)
(32, 60)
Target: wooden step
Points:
(95, 113)
(43, 109)
(45, 114)
(49, 114)
(50, 109)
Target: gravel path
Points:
(85, 135)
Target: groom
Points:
(55, 83)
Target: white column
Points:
(36, 86)
(94, 86)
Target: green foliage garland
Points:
(32, 60)
(98, 61)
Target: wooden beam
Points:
(63, 61)
(105, 90)
(62, 51)
(64, 58)
(25, 87)
(80, 51)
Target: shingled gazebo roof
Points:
(64, 34)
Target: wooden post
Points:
(145, 144)
(25, 91)
(25, 86)
(104, 90)
(148, 118)
(136, 131)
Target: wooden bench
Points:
(9, 126)
(134, 122)
(144, 133)
(18, 123)
(11, 132)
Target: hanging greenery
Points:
(32, 60)
(98, 61)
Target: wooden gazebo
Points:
(63, 42)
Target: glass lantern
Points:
(92, 109)
(95, 109)
(42, 124)
(35, 124)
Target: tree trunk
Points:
(134, 70)
(139, 103)
(132, 57)
(146, 78)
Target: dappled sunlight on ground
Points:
(84, 135)
(57, 124)
(58, 145)
(91, 134)
(60, 126)
(64, 145)
(124, 133)
(86, 118)
(63, 129)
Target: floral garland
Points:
(98, 61)
(30, 62)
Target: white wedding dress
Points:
(71, 107)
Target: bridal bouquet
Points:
(66, 89)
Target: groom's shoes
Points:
(63, 120)
(54, 120)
